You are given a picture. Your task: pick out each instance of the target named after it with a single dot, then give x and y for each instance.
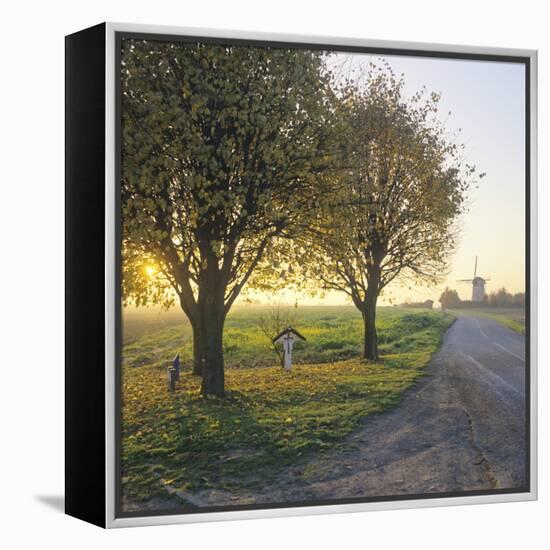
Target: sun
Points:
(150, 270)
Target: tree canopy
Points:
(402, 185)
(240, 163)
(222, 149)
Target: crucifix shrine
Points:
(287, 337)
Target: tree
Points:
(449, 299)
(402, 185)
(222, 147)
(503, 298)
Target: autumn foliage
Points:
(243, 163)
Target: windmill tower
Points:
(478, 285)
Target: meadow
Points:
(270, 418)
(512, 318)
(333, 333)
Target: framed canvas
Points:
(300, 275)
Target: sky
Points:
(487, 102)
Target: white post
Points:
(288, 342)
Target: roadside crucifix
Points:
(287, 337)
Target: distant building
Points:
(428, 304)
(478, 285)
(478, 289)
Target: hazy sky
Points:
(487, 101)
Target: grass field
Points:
(270, 418)
(513, 318)
(333, 333)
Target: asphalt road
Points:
(460, 429)
(485, 363)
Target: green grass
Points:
(513, 319)
(333, 333)
(270, 418)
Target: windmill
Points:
(478, 285)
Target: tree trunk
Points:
(370, 350)
(212, 353)
(208, 329)
(198, 350)
(207, 326)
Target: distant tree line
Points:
(426, 304)
(503, 298)
(450, 299)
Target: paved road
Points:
(485, 363)
(462, 428)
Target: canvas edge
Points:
(533, 234)
(110, 278)
(110, 270)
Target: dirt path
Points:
(462, 428)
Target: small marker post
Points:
(171, 378)
(176, 366)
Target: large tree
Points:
(222, 147)
(402, 185)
